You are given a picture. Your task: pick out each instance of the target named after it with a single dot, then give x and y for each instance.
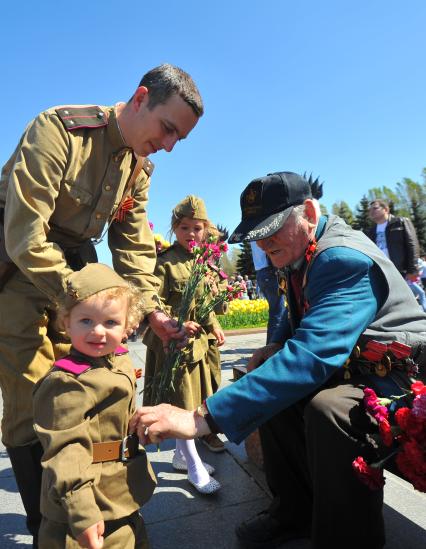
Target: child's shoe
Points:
(208, 488)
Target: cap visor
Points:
(258, 229)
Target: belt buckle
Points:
(130, 444)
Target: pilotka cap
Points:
(90, 280)
(192, 207)
(266, 204)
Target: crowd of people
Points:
(70, 427)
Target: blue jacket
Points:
(345, 289)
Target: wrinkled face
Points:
(378, 213)
(97, 325)
(150, 131)
(289, 243)
(190, 229)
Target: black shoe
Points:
(266, 531)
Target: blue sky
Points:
(336, 87)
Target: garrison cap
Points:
(90, 280)
(192, 207)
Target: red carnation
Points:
(370, 476)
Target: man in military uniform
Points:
(305, 388)
(76, 170)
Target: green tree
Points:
(323, 209)
(343, 210)
(245, 264)
(362, 221)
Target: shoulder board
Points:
(120, 351)
(70, 364)
(148, 167)
(74, 118)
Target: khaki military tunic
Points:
(61, 186)
(196, 379)
(71, 412)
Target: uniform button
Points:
(100, 115)
(98, 216)
(66, 112)
(78, 200)
(70, 122)
(107, 187)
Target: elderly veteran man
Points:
(342, 293)
(75, 171)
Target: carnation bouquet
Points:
(205, 262)
(402, 431)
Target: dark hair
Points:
(164, 81)
(382, 203)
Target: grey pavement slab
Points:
(178, 516)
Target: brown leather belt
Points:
(116, 450)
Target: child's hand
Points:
(210, 279)
(92, 537)
(219, 335)
(191, 328)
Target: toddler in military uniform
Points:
(198, 376)
(95, 477)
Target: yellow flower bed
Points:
(248, 306)
(245, 313)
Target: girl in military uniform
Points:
(95, 477)
(196, 378)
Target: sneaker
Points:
(266, 531)
(179, 464)
(208, 488)
(213, 443)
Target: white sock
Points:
(196, 470)
(179, 451)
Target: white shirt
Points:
(259, 257)
(381, 238)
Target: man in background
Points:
(397, 239)
(395, 236)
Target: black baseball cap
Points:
(266, 204)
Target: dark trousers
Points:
(26, 465)
(308, 450)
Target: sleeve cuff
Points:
(82, 509)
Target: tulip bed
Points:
(245, 313)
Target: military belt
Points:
(116, 450)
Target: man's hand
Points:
(219, 335)
(262, 354)
(155, 423)
(166, 328)
(92, 537)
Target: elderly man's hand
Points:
(155, 423)
(166, 328)
(262, 354)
